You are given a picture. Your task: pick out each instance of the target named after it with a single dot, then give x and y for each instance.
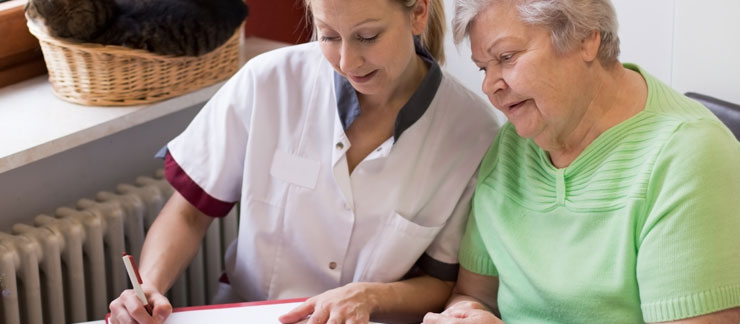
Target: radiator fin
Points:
(67, 268)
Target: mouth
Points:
(515, 105)
(363, 78)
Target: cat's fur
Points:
(170, 27)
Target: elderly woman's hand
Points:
(467, 312)
(347, 304)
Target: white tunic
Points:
(272, 139)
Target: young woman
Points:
(353, 159)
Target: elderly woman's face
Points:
(536, 87)
(367, 41)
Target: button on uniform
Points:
(340, 145)
(332, 265)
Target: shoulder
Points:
(462, 108)
(290, 60)
(666, 101)
(454, 91)
(701, 143)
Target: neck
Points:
(617, 94)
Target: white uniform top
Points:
(273, 139)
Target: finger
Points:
(456, 312)
(334, 320)
(355, 321)
(298, 313)
(162, 307)
(320, 316)
(119, 312)
(136, 309)
(115, 308)
(432, 318)
(122, 318)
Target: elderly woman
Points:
(608, 197)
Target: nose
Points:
(493, 81)
(351, 58)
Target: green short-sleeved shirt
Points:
(643, 226)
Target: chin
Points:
(367, 89)
(524, 131)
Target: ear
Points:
(590, 46)
(419, 16)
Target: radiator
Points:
(68, 268)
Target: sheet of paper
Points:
(260, 314)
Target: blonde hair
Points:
(433, 35)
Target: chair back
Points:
(727, 112)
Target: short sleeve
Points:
(688, 258)
(210, 152)
(440, 258)
(474, 256)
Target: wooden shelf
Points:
(20, 54)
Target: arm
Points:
(474, 296)
(408, 300)
(172, 241)
(402, 301)
(687, 262)
(475, 288)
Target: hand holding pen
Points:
(133, 274)
(140, 304)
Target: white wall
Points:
(691, 45)
(63, 178)
(458, 62)
(706, 51)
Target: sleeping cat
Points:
(169, 27)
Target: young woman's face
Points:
(367, 41)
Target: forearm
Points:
(171, 243)
(459, 298)
(408, 300)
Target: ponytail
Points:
(434, 34)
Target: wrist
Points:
(371, 294)
(150, 288)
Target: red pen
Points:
(133, 274)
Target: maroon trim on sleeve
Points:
(192, 192)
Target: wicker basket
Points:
(103, 75)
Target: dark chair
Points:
(728, 113)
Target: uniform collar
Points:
(349, 108)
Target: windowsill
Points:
(35, 124)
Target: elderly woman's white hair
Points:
(570, 21)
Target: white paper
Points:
(260, 314)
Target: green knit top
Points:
(643, 226)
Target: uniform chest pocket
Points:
(398, 245)
(295, 169)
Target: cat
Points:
(167, 27)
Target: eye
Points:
(482, 69)
(367, 39)
(329, 39)
(507, 57)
